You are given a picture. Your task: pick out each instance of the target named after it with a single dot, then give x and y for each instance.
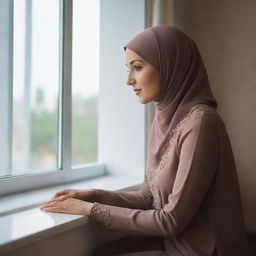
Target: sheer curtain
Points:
(159, 12)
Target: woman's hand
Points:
(87, 195)
(69, 205)
(71, 201)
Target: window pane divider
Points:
(26, 131)
(6, 95)
(66, 89)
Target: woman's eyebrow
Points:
(132, 61)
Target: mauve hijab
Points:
(184, 80)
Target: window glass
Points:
(35, 85)
(85, 81)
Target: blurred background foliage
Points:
(84, 129)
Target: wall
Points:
(225, 32)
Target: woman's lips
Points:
(137, 91)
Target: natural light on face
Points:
(142, 76)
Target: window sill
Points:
(22, 222)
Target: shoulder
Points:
(200, 117)
(202, 121)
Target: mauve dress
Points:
(191, 209)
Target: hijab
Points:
(183, 80)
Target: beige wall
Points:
(225, 32)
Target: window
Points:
(119, 142)
(85, 81)
(37, 136)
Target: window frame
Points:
(66, 173)
(6, 95)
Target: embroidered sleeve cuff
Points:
(101, 215)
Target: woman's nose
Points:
(130, 81)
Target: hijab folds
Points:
(184, 80)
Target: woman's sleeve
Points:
(199, 151)
(139, 199)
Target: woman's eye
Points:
(137, 67)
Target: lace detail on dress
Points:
(171, 139)
(101, 215)
(153, 185)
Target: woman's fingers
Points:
(51, 209)
(53, 206)
(62, 198)
(49, 204)
(59, 198)
(70, 205)
(54, 199)
(60, 193)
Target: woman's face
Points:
(143, 77)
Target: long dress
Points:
(193, 208)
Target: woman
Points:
(189, 203)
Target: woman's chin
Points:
(144, 100)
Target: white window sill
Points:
(22, 222)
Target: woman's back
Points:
(196, 205)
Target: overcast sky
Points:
(45, 49)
